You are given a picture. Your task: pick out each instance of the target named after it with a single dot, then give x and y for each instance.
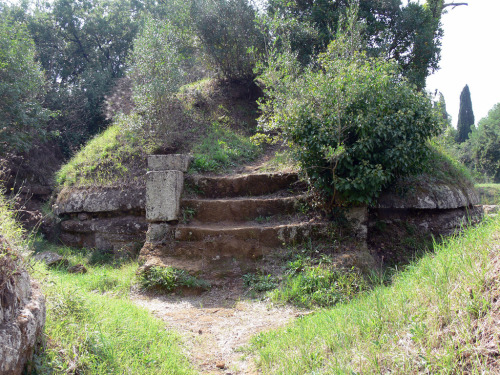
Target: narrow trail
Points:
(216, 324)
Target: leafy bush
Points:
(259, 283)
(22, 86)
(319, 286)
(169, 278)
(226, 29)
(482, 151)
(354, 123)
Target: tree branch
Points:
(454, 5)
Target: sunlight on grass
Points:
(93, 328)
(426, 322)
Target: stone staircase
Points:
(228, 223)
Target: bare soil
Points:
(217, 324)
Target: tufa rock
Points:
(51, 259)
(78, 268)
(172, 162)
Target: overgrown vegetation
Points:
(22, 87)
(353, 122)
(168, 279)
(92, 326)
(435, 318)
(11, 237)
(489, 193)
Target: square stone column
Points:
(163, 195)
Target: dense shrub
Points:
(354, 123)
(227, 30)
(22, 86)
(482, 151)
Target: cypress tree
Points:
(465, 116)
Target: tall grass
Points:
(425, 322)
(92, 326)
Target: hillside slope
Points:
(440, 316)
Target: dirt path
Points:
(216, 324)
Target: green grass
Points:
(434, 319)
(116, 154)
(489, 193)
(222, 148)
(92, 326)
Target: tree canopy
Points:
(22, 87)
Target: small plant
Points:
(322, 285)
(259, 283)
(169, 278)
(187, 214)
(262, 219)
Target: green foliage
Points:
(320, 285)
(259, 283)
(92, 326)
(83, 46)
(465, 116)
(482, 150)
(168, 279)
(489, 193)
(22, 87)
(438, 304)
(227, 31)
(116, 154)
(222, 148)
(355, 124)
(409, 33)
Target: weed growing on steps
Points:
(221, 149)
(168, 279)
(436, 317)
(309, 278)
(93, 328)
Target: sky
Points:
(470, 55)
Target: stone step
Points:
(267, 235)
(240, 209)
(243, 185)
(215, 252)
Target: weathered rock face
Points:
(22, 317)
(438, 208)
(106, 218)
(430, 196)
(101, 199)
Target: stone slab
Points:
(163, 195)
(172, 162)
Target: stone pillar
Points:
(164, 185)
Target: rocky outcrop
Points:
(106, 218)
(22, 316)
(430, 196)
(436, 207)
(115, 199)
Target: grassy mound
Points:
(215, 122)
(437, 317)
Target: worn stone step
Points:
(216, 252)
(268, 235)
(240, 209)
(243, 185)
